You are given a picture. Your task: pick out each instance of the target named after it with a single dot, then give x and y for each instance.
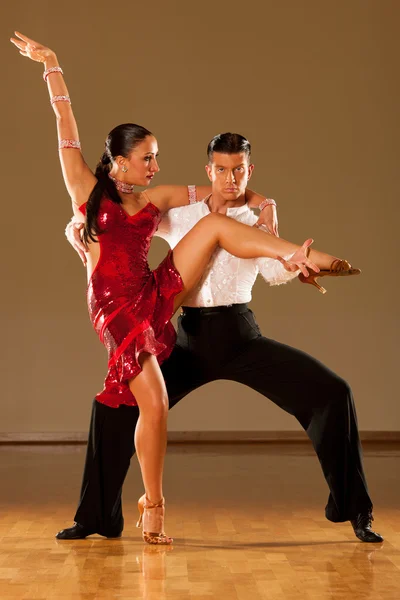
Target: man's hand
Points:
(73, 235)
(269, 219)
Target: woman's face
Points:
(142, 163)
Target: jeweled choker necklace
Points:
(124, 188)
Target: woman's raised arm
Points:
(78, 178)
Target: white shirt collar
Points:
(230, 211)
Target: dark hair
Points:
(228, 143)
(120, 142)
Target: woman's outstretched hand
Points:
(31, 49)
(299, 260)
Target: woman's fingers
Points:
(20, 45)
(29, 49)
(26, 44)
(25, 38)
(22, 48)
(17, 43)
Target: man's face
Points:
(229, 174)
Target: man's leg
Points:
(109, 451)
(323, 404)
(183, 373)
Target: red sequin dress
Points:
(130, 305)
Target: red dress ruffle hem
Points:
(130, 305)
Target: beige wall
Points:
(313, 84)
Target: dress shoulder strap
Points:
(145, 196)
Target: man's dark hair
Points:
(228, 143)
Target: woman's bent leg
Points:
(193, 252)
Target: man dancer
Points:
(216, 316)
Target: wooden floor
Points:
(248, 523)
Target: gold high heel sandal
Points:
(151, 519)
(338, 268)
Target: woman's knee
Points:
(155, 407)
(213, 221)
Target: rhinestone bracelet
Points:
(192, 194)
(69, 144)
(267, 202)
(52, 70)
(61, 99)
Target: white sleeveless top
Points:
(227, 279)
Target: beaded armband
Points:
(69, 144)
(60, 99)
(52, 70)
(192, 194)
(267, 202)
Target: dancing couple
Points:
(130, 307)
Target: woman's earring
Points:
(124, 169)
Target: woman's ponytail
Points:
(104, 185)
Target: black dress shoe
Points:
(362, 528)
(80, 532)
(76, 532)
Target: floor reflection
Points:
(153, 567)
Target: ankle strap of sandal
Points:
(339, 265)
(149, 504)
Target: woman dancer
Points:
(129, 305)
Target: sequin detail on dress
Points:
(130, 305)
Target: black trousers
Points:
(226, 343)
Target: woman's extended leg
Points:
(193, 252)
